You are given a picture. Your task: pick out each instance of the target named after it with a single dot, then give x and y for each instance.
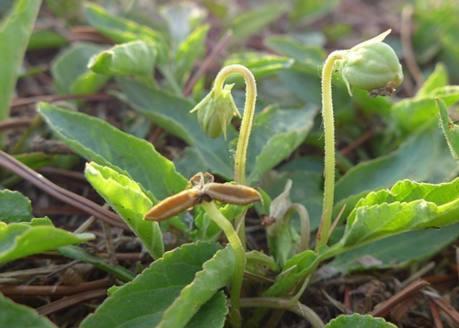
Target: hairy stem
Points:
(329, 138)
(285, 304)
(247, 119)
(245, 130)
(239, 256)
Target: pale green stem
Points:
(239, 257)
(285, 304)
(247, 119)
(329, 139)
(245, 130)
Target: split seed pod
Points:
(231, 193)
(174, 205)
(201, 191)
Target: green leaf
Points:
(286, 45)
(396, 251)
(14, 315)
(450, 130)
(406, 206)
(211, 314)
(438, 78)
(359, 321)
(23, 239)
(307, 11)
(70, 72)
(410, 114)
(172, 114)
(426, 148)
(182, 18)
(14, 207)
(215, 274)
(98, 141)
(276, 134)
(128, 200)
(253, 21)
(260, 64)
(46, 39)
(293, 273)
(307, 175)
(192, 48)
(122, 30)
(172, 290)
(15, 31)
(79, 254)
(136, 58)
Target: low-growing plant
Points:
(407, 206)
(214, 279)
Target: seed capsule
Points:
(231, 193)
(215, 111)
(372, 65)
(174, 204)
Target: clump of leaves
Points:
(200, 283)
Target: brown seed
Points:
(174, 205)
(231, 193)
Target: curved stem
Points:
(329, 138)
(239, 256)
(247, 119)
(284, 304)
(245, 130)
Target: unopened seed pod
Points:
(372, 65)
(231, 193)
(174, 205)
(215, 111)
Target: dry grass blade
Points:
(21, 102)
(71, 300)
(443, 305)
(55, 290)
(207, 63)
(64, 195)
(384, 308)
(16, 122)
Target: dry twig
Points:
(64, 195)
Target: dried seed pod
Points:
(231, 193)
(174, 204)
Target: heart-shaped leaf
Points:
(359, 321)
(450, 130)
(136, 58)
(189, 51)
(14, 315)
(396, 251)
(14, 207)
(128, 200)
(98, 141)
(406, 206)
(15, 31)
(426, 148)
(173, 291)
(172, 114)
(276, 134)
(23, 239)
(121, 30)
(70, 72)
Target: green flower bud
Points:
(216, 110)
(372, 65)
